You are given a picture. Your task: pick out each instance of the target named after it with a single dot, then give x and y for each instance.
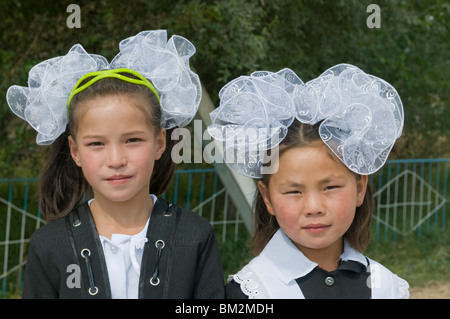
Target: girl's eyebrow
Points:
(291, 184)
(94, 136)
(134, 133)
(332, 178)
(91, 136)
(325, 180)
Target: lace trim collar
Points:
(277, 267)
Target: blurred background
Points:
(408, 47)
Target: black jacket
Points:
(187, 266)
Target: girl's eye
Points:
(133, 140)
(293, 192)
(331, 187)
(95, 144)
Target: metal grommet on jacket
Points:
(76, 219)
(168, 213)
(86, 254)
(154, 281)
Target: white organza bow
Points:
(166, 64)
(362, 116)
(43, 104)
(254, 114)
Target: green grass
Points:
(419, 259)
(235, 254)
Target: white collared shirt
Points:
(123, 256)
(273, 272)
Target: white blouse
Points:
(123, 255)
(273, 272)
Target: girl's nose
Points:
(313, 204)
(116, 157)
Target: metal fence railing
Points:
(19, 217)
(199, 190)
(411, 195)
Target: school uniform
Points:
(281, 271)
(177, 258)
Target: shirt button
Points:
(329, 281)
(113, 250)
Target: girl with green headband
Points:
(109, 125)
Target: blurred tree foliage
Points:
(235, 37)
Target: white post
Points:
(240, 188)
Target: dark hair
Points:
(62, 183)
(265, 224)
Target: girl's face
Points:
(116, 147)
(313, 197)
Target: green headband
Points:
(98, 75)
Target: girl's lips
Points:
(316, 228)
(118, 179)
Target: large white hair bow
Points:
(362, 115)
(43, 104)
(254, 114)
(166, 65)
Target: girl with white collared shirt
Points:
(123, 256)
(110, 126)
(313, 205)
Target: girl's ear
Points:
(361, 188)
(160, 143)
(264, 190)
(74, 151)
